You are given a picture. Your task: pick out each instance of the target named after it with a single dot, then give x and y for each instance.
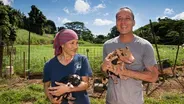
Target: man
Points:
(129, 90)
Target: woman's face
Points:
(70, 47)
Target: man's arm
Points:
(150, 74)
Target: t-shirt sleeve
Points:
(104, 52)
(46, 73)
(148, 57)
(86, 68)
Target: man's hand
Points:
(121, 70)
(107, 63)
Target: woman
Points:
(66, 62)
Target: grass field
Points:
(41, 53)
(33, 94)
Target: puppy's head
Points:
(125, 52)
(74, 79)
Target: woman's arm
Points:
(64, 88)
(46, 91)
(49, 96)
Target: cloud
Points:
(66, 10)
(99, 6)
(101, 22)
(7, 2)
(81, 6)
(106, 14)
(178, 16)
(64, 20)
(168, 11)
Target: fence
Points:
(40, 54)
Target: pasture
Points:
(39, 54)
(21, 91)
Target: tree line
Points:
(167, 31)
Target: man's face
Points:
(125, 22)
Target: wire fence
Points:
(40, 55)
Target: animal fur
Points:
(117, 62)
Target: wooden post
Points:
(10, 64)
(1, 58)
(158, 55)
(24, 64)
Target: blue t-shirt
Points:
(55, 71)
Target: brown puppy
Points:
(116, 59)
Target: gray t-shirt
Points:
(129, 91)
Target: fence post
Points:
(24, 64)
(44, 60)
(87, 50)
(1, 57)
(10, 63)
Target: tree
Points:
(7, 32)
(114, 32)
(79, 27)
(36, 20)
(50, 27)
(100, 39)
(60, 28)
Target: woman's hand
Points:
(56, 100)
(60, 89)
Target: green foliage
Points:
(34, 93)
(167, 31)
(114, 32)
(100, 39)
(23, 95)
(50, 27)
(79, 27)
(36, 20)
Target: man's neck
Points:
(126, 38)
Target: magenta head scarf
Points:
(61, 38)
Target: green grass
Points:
(42, 53)
(34, 93)
(22, 38)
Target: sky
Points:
(99, 15)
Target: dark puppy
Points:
(72, 81)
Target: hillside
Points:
(22, 38)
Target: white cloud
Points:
(64, 20)
(168, 11)
(101, 22)
(106, 14)
(178, 16)
(81, 6)
(66, 10)
(7, 2)
(99, 6)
